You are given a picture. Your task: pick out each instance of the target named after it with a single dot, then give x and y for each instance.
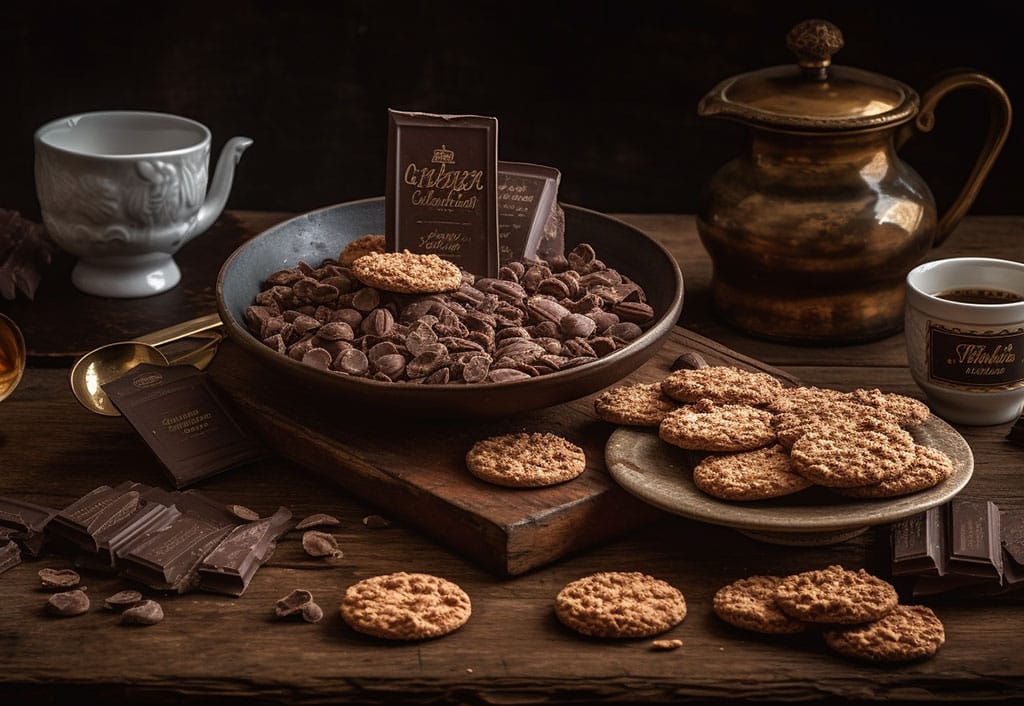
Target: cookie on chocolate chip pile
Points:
(906, 633)
(749, 603)
(405, 606)
(722, 384)
(639, 404)
(835, 595)
(361, 246)
(620, 604)
(840, 458)
(707, 426)
(407, 273)
(526, 460)
(930, 467)
(749, 475)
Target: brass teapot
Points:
(813, 229)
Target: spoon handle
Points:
(182, 330)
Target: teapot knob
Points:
(814, 42)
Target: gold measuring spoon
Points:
(12, 356)
(109, 362)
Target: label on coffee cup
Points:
(974, 360)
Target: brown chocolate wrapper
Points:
(441, 195)
(530, 225)
(185, 420)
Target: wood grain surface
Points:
(217, 650)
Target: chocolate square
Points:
(529, 226)
(919, 544)
(441, 195)
(231, 565)
(975, 546)
(185, 420)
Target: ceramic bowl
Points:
(323, 233)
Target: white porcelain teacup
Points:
(124, 190)
(964, 328)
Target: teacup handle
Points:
(998, 129)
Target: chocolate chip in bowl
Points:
(537, 335)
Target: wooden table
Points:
(219, 650)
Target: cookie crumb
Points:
(666, 645)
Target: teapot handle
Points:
(999, 127)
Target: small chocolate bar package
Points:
(441, 195)
(531, 224)
(185, 420)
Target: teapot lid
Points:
(813, 94)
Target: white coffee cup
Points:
(124, 190)
(965, 340)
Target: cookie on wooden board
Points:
(749, 475)
(526, 460)
(639, 404)
(723, 384)
(706, 426)
(405, 606)
(749, 603)
(835, 595)
(620, 604)
(905, 633)
(407, 273)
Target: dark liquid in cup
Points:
(980, 296)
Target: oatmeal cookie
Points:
(526, 460)
(930, 467)
(835, 595)
(840, 458)
(707, 426)
(407, 273)
(361, 246)
(906, 633)
(640, 404)
(723, 384)
(750, 604)
(405, 606)
(620, 604)
(749, 475)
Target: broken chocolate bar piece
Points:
(1012, 526)
(529, 226)
(74, 525)
(975, 547)
(27, 523)
(185, 419)
(441, 195)
(232, 564)
(168, 559)
(10, 554)
(919, 544)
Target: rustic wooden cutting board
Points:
(413, 470)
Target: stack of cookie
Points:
(859, 614)
(763, 440)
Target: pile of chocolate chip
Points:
(534, 318)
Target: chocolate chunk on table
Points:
(232, 564)
(27, 523)
(10, 554)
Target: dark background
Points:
(607, 92)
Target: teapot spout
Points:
(220, 188)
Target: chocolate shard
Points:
(975, 548)
(919, 544)
(529, 222)
(27, 523)
(1012, 525)
(441, 195)
(231, 565)
(26, 250)
(10, 555)
(1016, 433)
